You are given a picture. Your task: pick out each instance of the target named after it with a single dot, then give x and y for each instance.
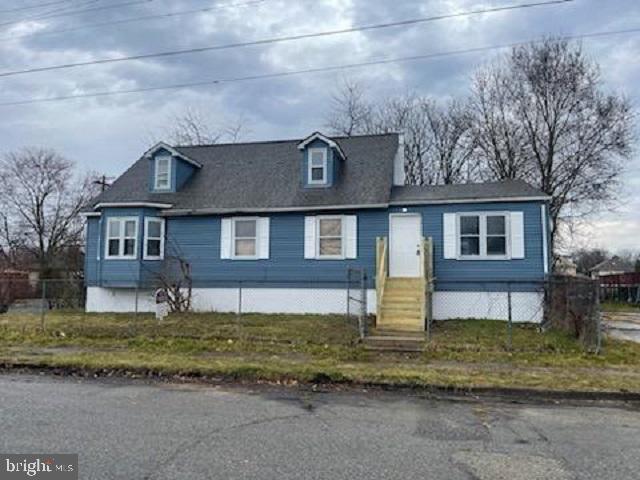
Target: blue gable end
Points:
(333, 164)
(180, 172)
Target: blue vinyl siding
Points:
(117, 272)
(182, 172)
(197, 239)
(472, 275)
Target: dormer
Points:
(169, 169)
(321, 161)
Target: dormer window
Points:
(317, 166)
(163, 172)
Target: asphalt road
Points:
(128, 430)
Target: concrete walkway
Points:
(622, 325)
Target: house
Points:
(286, 219)
(612, 266)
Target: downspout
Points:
(98, 258)
(545, 238)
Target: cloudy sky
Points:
(107, 134)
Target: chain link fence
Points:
(567, 304)
(572, 305)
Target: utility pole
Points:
(103, 181)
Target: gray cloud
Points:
(108, 134)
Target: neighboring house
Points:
(612, 266)
(287, 218)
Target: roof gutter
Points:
(226, 211)
(471, 200)
(133, 204)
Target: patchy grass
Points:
(620, 307)
(311, 348)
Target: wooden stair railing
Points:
(381, 271)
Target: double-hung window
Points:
(317, 166)
(245, 238)
(330, 238)
(122, 238)
(163, 172)
(153, 238)
(483, 235)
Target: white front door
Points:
(405, 236)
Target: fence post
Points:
(239, 309)
(510, 318)
(135, 314)
(348, 294)
(42, 304)
(362, 320)
(598, 314)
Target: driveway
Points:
(622, 325)
(125, 430)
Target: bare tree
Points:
(174, 277)
(449, 128)
(350, 111)
(193, 127)
(436, 136)
(541, 114)
(40, 202)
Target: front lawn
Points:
(620, 307)
(310, 348)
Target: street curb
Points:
(528, 395)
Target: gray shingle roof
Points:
(464, 191)
(267, 175)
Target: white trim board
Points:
(319, 136)
(545, 247)
(174, 153)
(229, 211)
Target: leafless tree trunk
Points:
(40, 203)
(175, 278)
(541, 114)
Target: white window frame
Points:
(256, 255)
(157, 160)
(311, 181)
(121, 237)
(341, 256)
(147, 221)
(482, 219)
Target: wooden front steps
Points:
(395, 341)
(402, 305)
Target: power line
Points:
(291, 73)
(32, 7)
(78, 12)
(44, 15)
(268, 41)
(137, 19)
